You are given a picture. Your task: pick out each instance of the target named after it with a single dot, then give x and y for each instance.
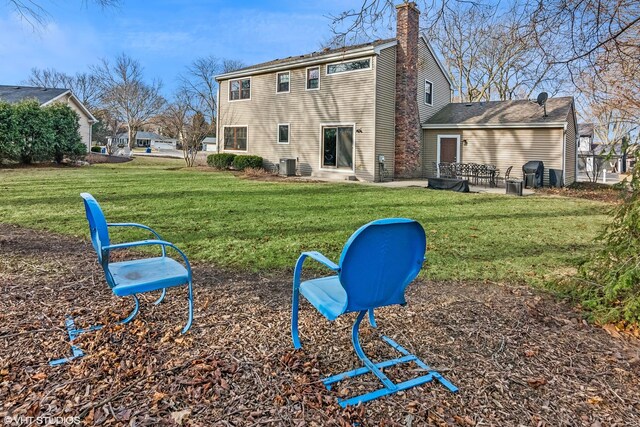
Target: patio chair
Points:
(129, 278)
(377, 263)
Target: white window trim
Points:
(457, 137)
(283, 72)
(337, 170)
(229, 89)
(235, 151)
(326, 70)
(288, 133)
(425, 92)
(306, 77)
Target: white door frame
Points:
(457, 137)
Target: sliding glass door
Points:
(337, 147)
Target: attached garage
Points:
(504, 134)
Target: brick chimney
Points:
(407, 144)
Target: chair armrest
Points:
(321, 259)
(144, 227)
(313, 255)
(150, 243)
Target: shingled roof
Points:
(13, 94)
(585, 129)
(501, 113)
(312, 55)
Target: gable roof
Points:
(520, 113)
(585, 129)
(13, 94)
(311, 58)
(43, 95)
(146, 135)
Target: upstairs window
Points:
(344, 67)
(282, 82)
(239, 89)
(235, 138)
(428, 92)
(313, 78)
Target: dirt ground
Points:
(518, 357)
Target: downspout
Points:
(564, 149)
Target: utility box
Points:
(287, 167)
(514, 187)
(555, 178)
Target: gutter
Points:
(493, 125)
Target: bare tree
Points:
(194, 133)
(127, 95)
(84, 85)
(199, 87)
(33, 12)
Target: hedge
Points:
(241, 162)
(221, 160)
(96, 149)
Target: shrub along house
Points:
(358, 112)
(47, 96)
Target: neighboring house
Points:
(504, 133)
(47, 96)
(144, 140)
(335, 111)
(586, 157)
(367, 112)
(210, 143)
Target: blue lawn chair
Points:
(377, 263)
(128, 278)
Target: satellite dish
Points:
(542, 101)
(542, 98)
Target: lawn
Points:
(238, 223)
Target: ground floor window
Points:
(235, 138)
(283, 133)
(337, 147)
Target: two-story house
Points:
(349, 112)
(382, 110)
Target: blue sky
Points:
(164, 35)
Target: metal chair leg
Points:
(367, 362)
(133, 314)
(190, 320)
(294, 319)
(372, 319)
(159, 300)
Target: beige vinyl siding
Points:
(430, 150)
(570, 153)
(85, 125)
(344, 98)
(385, 111)
(503, 147)
(428, 69)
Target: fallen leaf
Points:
(536, 382)
(179, 416)
(612, 330)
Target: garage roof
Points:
(502, 113)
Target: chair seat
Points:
(327, 295)
(149, 274)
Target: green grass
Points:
(254, 225)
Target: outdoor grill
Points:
(533, 173)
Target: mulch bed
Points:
(586, 190)
(96, 158)
(518, 357)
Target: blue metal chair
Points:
(128, 278)
(377, 263)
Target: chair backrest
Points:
(508, 172)
(379, 260)
(97, 226)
